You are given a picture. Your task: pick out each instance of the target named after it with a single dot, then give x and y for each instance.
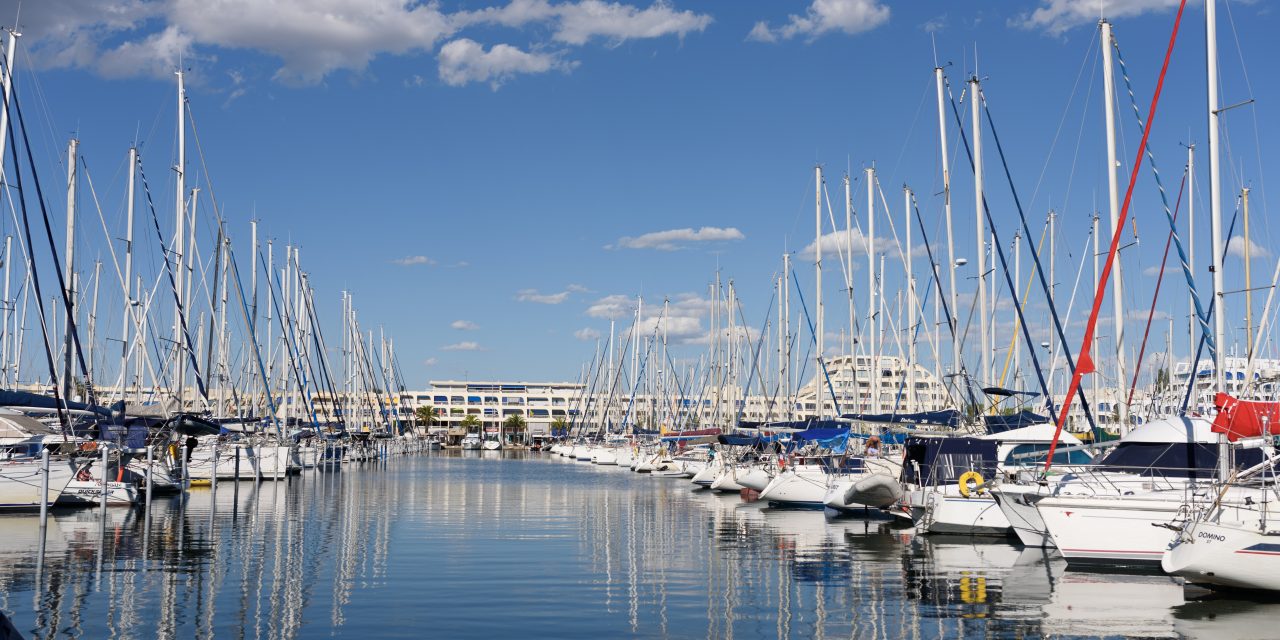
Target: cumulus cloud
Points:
(464, 325)
(1141, 314)
(1058, 16)
(835, 243)
(673, 239)
(464, 61)
(462, 346)
(410, 261)
(314, 38)
(678, 318)
(1235, 247)
(612, 307)
(825, 16)
(532, 295)
(617, 23)
(586, 334)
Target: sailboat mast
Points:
(1215, 197)
(817, 270)
(975, 102)
(911, 307)
(128, 323)
(1113, 204)
(1191, 259)
(872, 305)
(69, 347)
(179, 238)
(946, 204)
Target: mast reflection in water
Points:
(505, 544)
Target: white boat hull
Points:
(1222, 555)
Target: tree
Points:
(470, 422)
(426, 415)
(559, 425)
(514, 423)
(1162, 379)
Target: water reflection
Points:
(506, 544)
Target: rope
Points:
(1142, 350)
(1201, 316)
(1086, 361)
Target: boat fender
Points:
(978, 486)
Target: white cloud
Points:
(464, 325)
(835, 243)
(430, 362)
(1151, 271)
(612, 307)
(1235, 247)
(679, 317)
(410, 261)
(825, 16)
(313, 38)
(532, 295)
(617, 23)
(577, 288)
(462, 346)
(464, 61)
(1141, 315)
(1059, 16)
(586, 334)
(673, 239)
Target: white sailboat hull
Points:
(1226, 555)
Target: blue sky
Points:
(484, 176)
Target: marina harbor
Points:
(638, 318)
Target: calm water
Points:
(470, 544)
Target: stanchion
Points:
(105, 479)
(44, 487)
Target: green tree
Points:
(1162, 379)
(559, 424)
(514, 423)
(470, 422)
(426, 415)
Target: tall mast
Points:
(1215, 197)
(179, 238)
(1248, 278)
(1017, 299)
(848, 264)
(946, 203)
(69, 347)
(128, 323)
(1097, 254)
(872, 308)
(911, 308)
(786, 330)
(975, 102)
(817, 269)
(1113, 203)
(1191, 259)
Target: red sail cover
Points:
(1244, 418)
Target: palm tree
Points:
(426, 415)
(513, 424)
(470, 422)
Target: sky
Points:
(495, 182)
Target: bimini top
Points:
(1173, 429)
(1035, 433)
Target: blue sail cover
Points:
(833, 439)
(1024, 418)
(948, 418)
(38, 401)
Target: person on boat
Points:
(872, 449)
(191, 446)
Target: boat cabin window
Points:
(1175, 459)
(1019, 455)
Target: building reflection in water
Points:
(488, 544)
